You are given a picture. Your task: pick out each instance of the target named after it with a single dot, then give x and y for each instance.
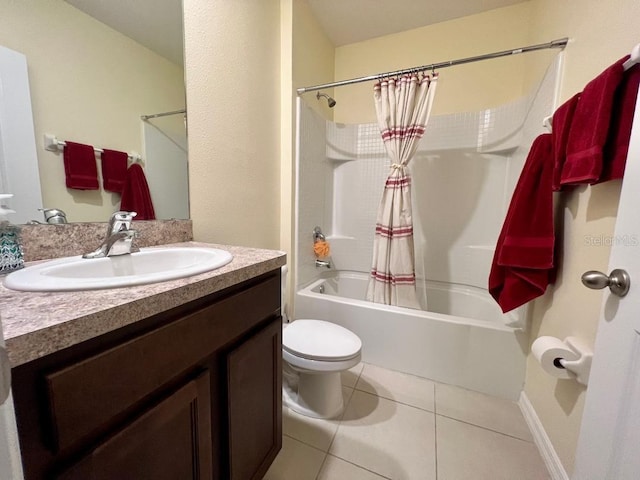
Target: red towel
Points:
(523, 263)
(136, 196)
(80, 166)
(114, 170)
(561, 125)
(624, 106)
(590, 127)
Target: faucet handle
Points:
(318, 236)
(120, 220)
(53, 215)
(124, 215)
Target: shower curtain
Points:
(402, 106)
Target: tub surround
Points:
(38, 324)
(42, 242)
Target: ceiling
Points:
(157, 24)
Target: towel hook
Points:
(634, 58)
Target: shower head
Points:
(330, 101)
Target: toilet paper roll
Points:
(548, 351)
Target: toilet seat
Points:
(320, 341)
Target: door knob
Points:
(618, 281)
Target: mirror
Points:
(91, 82)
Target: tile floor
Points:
(400, 427)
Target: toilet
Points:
(314, 354)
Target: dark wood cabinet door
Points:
(171, 441)
(255, 403)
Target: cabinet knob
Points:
(618, 281)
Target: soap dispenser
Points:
(11, 257)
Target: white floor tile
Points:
(350, 377)
(389, 438)
(335, 468)
(316, 432)
(483, 410)
(397, 386)
(296, 461)
(468, 452)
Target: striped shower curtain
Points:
(402, 106)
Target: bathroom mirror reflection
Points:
(94, 68)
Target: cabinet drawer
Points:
(86, 396)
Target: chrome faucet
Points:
(323, 263)
(54, 215)
(119, 237)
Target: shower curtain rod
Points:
(560, 43)
(164, 114)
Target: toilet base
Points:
(315, 395)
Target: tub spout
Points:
(323, 263)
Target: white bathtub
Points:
(461, 341)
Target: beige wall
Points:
(89, 84)
(232, 70)
(600, 33)
(313, 57)
(464, 88)
(287, 127)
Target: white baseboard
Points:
(542, 441)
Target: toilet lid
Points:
(320, 340)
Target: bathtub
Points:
(462, 340)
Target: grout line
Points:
(396, 401)
(435, 399)
(485, 428)
(435, 433)
(324, 460)
(346, 405)
(359, 466)
(364, 365)
(304, 443)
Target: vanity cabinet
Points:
(191, 393)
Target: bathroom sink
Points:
(149, 265)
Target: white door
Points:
(609, 443)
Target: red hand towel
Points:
(624, 107)
(561, 124)
(80, 166)
(523, 264)
(136, 196)
(114, 170)
(590, 127)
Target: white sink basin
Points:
(150, 265)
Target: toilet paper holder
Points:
(582, 366)
(577, 369)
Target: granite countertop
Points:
(36, 324)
